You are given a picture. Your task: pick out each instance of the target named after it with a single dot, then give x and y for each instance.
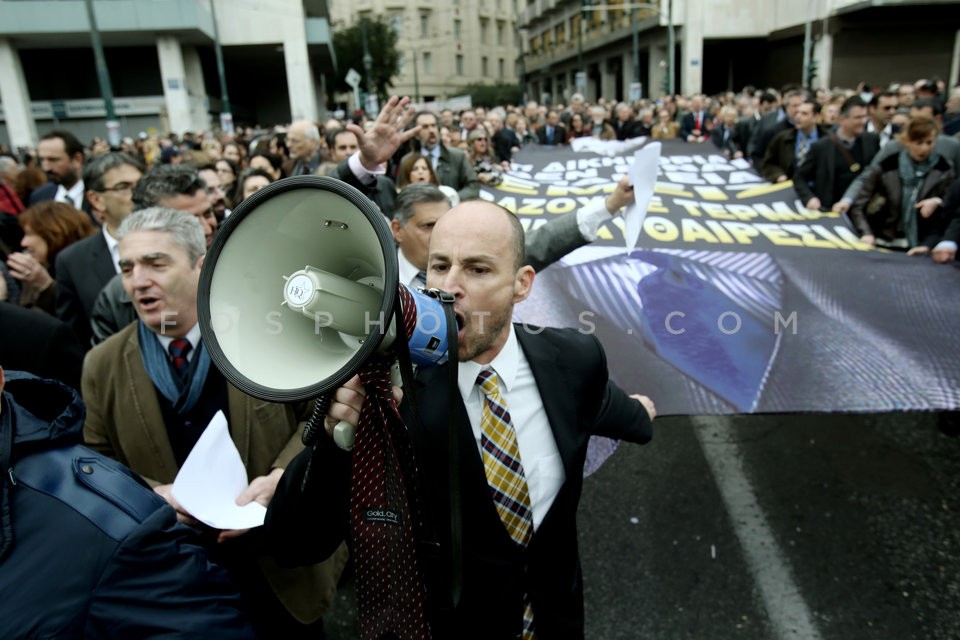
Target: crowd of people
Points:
(100, 247)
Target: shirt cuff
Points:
(949, 245)
(591, 217)
(361, 173)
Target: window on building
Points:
(396, 23)
(457, 29)
(484, 67)
(403, 63)
(501, 67)
(484, 27)
(427, 62)
(459, 64)
(424, 25)
(500, 34)
(560, 33)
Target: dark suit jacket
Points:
(383, 192)
(503, 141)
(40, 344)
(729, 145)
(780, 156)
(820, 167)
(571, 373)
(82, 269)
(559, 135)
(49, 191)
(688, 124)
(628, 129)
(455, 170)
(763, 132)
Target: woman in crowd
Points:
(578, 128)
(899, 204)
(485, 164)
(416, 168)
(665, 127)
(48, 228)
(234, 151)
(228, 171)
(251, 181)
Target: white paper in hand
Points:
(643, 177)
(212, 477)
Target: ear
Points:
(397, 228)
(200, 261)
(96, 201)
(523, 283)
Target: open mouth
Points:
(148, 303)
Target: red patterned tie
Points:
(179, 349)
(385, 513)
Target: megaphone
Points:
(299, 289)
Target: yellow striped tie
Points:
(504, 471)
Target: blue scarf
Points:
(182, 394)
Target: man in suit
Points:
(61, 158)
(789, 148)
(552, 132)
(828, 169)
(419, 206)
(624, 124)
(696, 124)
(151, 391)
(303, 140)
(506, 141)
(40, 344)
(772, 123)
(85, 267)
(343, 144)
(452, 166)
(552, 393)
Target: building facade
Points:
(622, 49)
(444, 45)
(160, 57)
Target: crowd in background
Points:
(887, 157)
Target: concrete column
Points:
(300, 85)
(21, 127)
(691, 59)
(955, 65)
(626, 70)
(607, 82)
(655, 72)
(823, 54)
(196, 89)
(174, 77)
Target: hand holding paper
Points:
(212, 478)
(643, 176)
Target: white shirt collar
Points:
(73, 195)
(193, 337)
(113, 246)
(505, 364)
(408, 272)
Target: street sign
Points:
(581, 81)
(353, 78)
(636, 88)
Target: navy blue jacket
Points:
(86, 549)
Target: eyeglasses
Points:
(120, 187)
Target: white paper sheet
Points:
(643, 177)
(212, 477)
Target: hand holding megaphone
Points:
(343, 414)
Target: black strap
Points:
(854, 166)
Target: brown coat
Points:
(124, 421)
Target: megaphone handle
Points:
(345, 435)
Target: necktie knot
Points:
(487, 381)
(421, 278)
(179, 349)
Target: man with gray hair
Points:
(176, 186)
(303, 141)
(85, 267)
(151, 390)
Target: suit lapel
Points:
(152, 456)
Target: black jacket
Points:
(86, 549)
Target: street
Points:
(806, 527)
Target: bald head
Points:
(303, 139)
(508, 231)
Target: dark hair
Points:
(166, 180)
(406, 167)
(875, 100)
(58, 223)
(275, 161)
(415, 194)
(97, 167)
(928, 102)
(234, 167)
(249, 173)
(768, 97)
(919, 128)
(333, 133)
(70, 141)
(850, 103)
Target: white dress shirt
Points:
(113, 246)
(193, 337)
(72, 196)
(539, 455)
